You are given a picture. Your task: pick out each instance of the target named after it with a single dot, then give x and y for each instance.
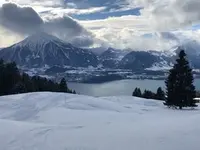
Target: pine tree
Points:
(2, 70)
(180, 89)
(149, 95)
(11, 77)
(63, 86)
(170, 88)
(12, 82)
(137, 92)
(28, 83)
(19, 88)
(160, 94)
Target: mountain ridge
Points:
(43, 49)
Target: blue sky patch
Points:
(105, 14)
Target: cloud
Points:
(25, 21)
(82, 41)
(167, 15)
(63, 25)
(69, 30)
(137, 23)
(126, 32)
(70, 11)
(19, 19)
(134, 32)
(161, 24)
(46, 3)
(164, 20)
(168, 36)
(58, 6)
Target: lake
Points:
(121, 87)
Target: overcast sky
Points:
(122, 24)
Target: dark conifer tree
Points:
(63, 86)
(12, 82)
(11, 76)
(19, 88)
(179, 84)
(2, 71)
(160, 94)
(28, 83)
(170, 88)
(148, 95)
(137, 92)
(74, 92)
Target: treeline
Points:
(14, 82)
(159, 95)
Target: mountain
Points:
(192, 50)
(111, 57)
(42, 49)
(97, 50)
(142, 60)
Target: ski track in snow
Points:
(57, 121)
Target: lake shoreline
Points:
(120, 87)
(139, 79)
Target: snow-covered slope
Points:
(41, 49)
(56, 121)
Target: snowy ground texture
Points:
(55, 121)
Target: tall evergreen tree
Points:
(11, 76)
(160, 94)
(19, 88)
(28, 83)
(63, 86)
(2, 70)
(170, 88)
(179, 84)
(137, 92)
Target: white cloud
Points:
(126, 32)
(165, 20)
(56, 7)
(161, 24)
(137, 23)
(19, 19)
(45, 3)
(25, 21)
(77, 11)
(166, 15)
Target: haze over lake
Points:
(120, 87)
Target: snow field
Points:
(57, 121)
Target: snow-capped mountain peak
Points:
(39, 40)
(41, 37)
(41, 49)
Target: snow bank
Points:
(56, 121)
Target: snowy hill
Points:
(56, 121)
(42, 49)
